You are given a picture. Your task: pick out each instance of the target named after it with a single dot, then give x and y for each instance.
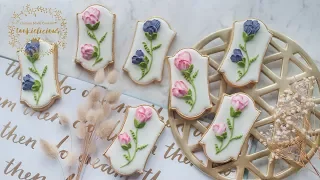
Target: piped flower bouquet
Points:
(180, 90)
(238, 104)
(32, 49)
(144, 60)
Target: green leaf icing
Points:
(103, 37)
(147, 63)
(44, 71)
(230, 122)
(37, 87)
(190, 76)
(92, 35)
(138, 125)
(246, 61)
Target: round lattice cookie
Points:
(274, 79)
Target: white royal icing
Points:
(242, 126)
(51, 88)
(201, 83)
(165, 37)
(107, 21)
(257, 46)
(147, 135)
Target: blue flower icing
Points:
(32, 48)
(138, 57)
(236, 56)
(151, 26)
(28, 82)
(251, 27)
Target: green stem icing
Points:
(230, 121)
(97, 51)
(129, 154)
(246, 67)
(230, 138)
(134, 152)
(37, 97)
(146, 64)
(221, 144)
(128, 157)
(151, 60)
(190, 76)
(247, 61)
(195, 95)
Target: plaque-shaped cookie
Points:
(129, 153)
(189, 90)
(40, 85)
(230, 127)
(151, 42)
(248, 44)
(95, 47)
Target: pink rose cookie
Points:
(230, 127)
(189, 91)
(180, 89)
(129, 153)
(87, 51)
(183, 61)
(151, 42)
(243, 59)
(219, 129)
(95, 38)
(124, 140)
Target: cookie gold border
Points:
(125, 120)
(113, 37)
(246, 135)
(228, 49)
(170, 87)
(166, 52)
(53, 98)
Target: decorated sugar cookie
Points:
(95, 38)
(230, 127)
(130, 151)
(151, 42)
(248, 44)
(189, 91)
(40, 84)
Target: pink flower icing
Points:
(143, 114)
(91, 16)
(183, 61)
(219, 128)
(124, 138)
(239, 102)
(87, 51)
(180, 89)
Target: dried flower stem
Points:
(51, 151)
(291, 132)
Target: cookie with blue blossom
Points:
(39, 84)
(247, 47)
(151, 42)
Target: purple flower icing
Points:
(151, 26)
(236, 56)
(138, 58)
(27, 83)
(32, 48)
(251, 27)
